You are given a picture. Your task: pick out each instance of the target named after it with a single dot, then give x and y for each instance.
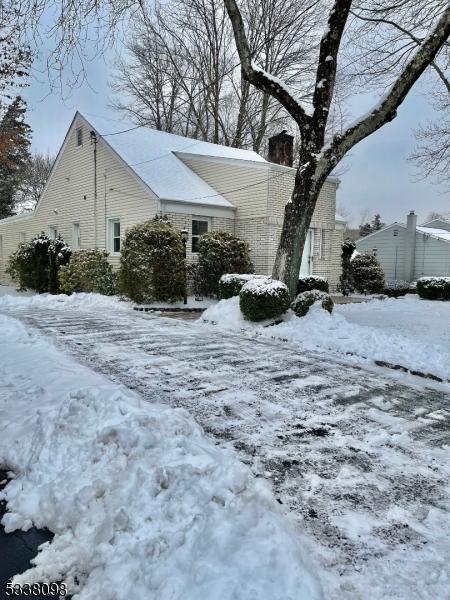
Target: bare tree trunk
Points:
(297, 218)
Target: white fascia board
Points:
(206, 210)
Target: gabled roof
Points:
(152, 156)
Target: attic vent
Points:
(395, 232)
(79, 136)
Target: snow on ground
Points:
(9, 297)
(142, 504)
(408, 331)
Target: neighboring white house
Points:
(109, 176)
(407, 252)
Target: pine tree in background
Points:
(377, 224)
(365, 229)
(15, 143)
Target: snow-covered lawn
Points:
(407, 331)
(142, 504)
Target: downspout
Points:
(94, 141)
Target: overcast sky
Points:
(379, 179)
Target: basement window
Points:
(198, 229)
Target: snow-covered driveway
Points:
(361, 458)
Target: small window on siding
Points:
(79, 136)
(76, 236)
(198, 229)
(22, 237)
(53, 232)
(395, 232)
(114, 235)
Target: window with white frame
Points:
(199, 227)
(76, 236)
(53, 232)
(79, 136)
(22, 237)
(114, 235)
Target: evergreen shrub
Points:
(261, 299)
(367, 274)
(311, 282)
(395, 289)
(88, 271)
(305, 300)
(152, 264)
(35, 265)
(231, 284)
(434, 288)
(220, 252)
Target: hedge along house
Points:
(109, 176)
(407, 252)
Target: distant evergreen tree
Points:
(14, 153)
(365, 229)
(377, 224)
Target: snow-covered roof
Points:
(442, 234)
(152, 156)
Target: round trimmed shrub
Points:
(395, 289)
(231, 284)
(368, 275)
(311, 282)
(35, 264)
(88, 271)
(305, 300)
(152, 264)
(220, 252)
(434, 288)
(261, 299)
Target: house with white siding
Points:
(409, 251)
(109, 176)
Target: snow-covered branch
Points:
(386, 109)
(258, 77)
(326, 68)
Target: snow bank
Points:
(142, 504)
(408, 331)
(80, 301)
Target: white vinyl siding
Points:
(22, 237)
(52, 232)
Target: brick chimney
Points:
(410, 254)
(281, 149)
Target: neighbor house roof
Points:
(442, 234)
(152, 156)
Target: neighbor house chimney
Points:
(281, 149)
(410, 250)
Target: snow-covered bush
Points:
(394, 289)
(346, 279)
(88, 271)
(367, 274)
(312, 282)
(305, 300)
(220, 252)
(231, 284)
(35, 264)
(261, 299)
(434, 288)
(152, 264)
